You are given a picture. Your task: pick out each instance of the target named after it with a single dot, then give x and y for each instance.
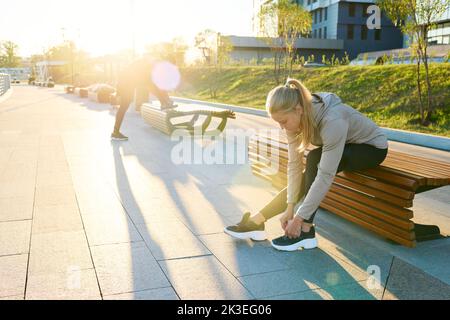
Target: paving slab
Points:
(357, 291)
(243, 257)
(60, 251)
(75, 284)
(17, 188)
(203, 278)
(352, 244)
(309, 269)
(13, 298)
(407, 282)
(128, 267)
(55, 195)
(59, 218)
(104, 229)
(13, 273)
(154, 294)
(170, 240)
(14, 209)
(15, 237)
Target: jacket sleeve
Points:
(294, 169)
(333, 134)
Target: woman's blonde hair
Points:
(285, 99)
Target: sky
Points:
(107, 26)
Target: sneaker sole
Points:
(253, 235)
(119, 139)
(305, 244)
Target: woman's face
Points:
(289, 121)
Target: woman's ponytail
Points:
(307, 119)
(286, 98)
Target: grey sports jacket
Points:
(336, 125)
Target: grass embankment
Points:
(387, 94)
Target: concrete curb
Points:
(419, 139)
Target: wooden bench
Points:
(191, 117)
(69, 89)
(377, 199)
(81, 92)
(100, 92)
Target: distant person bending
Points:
(136, 76)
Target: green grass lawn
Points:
(387, 94)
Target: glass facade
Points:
(441, 34)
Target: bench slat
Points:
(378, 230)
(396, 177)
(373, 193)
(445, 166)
(368, 181)
(336, 205)
(415, 169)
(374, 203)
(402, 221)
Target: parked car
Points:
(314, 65)
(436, 54)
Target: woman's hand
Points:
(294, 227)
(287, 215)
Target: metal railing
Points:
(5, 83)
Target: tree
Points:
(206, 41)
(416, 18)
(287, 22)
(173, 51)
(8, 55)
(216, 50)
(77, 61)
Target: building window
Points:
(351, 9)
(365, 7)
(378, 34)
(350, 32)
(315, 33)
(325, 32)
(315, 16)
(326, 14)
(320, 33)
(364, 32)
(320, 15)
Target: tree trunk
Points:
(427, 75)
(419, 90)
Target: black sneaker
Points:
(118, 136)
(247, 229)
(307, 240)
(169, 106)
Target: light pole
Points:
(132, 3)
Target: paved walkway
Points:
(84, 218)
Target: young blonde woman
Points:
(347, 141)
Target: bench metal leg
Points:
(427, 232)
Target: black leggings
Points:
(127, 95)
(355, 157)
